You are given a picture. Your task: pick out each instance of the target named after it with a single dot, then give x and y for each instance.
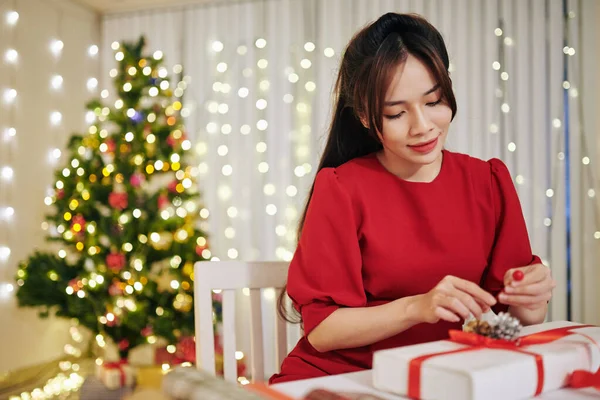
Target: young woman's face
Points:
(415, 120)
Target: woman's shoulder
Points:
(350, 171)
(477, 167)
(489, 178)
(349, 178)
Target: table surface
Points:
(361, 382)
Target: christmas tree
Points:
(126, 216)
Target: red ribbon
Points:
(117, 365)
(478, 342)
(584, 379)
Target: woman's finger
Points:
(446, 315)
(469, 302)
(523, 300)
(534, 289)
(531, 274)
(474, 290)
(456, 306)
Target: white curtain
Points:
(525, 79)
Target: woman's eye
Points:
(435, 103)
(395, 116)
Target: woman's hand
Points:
(453, 299)
(532, 291)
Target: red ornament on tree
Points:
(123, 344)
(163, 201)
(74, 284)
(171, 141)
(111, 319)
(111, 145)
(60, 194)
(115, 261)
(115, 289)
(136, 180)
(78, 223)
(200, 249)
(173, 186)
(147, 331)
(118, 200)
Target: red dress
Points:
(371, 237)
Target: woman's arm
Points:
(356, 327)
(452, 299)
(528, 296)
(512, 251)
(528, 316)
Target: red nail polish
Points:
(518, 275)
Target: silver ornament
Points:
(505, 327)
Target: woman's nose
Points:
(420, 124)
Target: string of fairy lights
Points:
(280, 203)
(241, 80)
(10, 99)
(300, 138)
(573, 101)
(571, 94)
(68, 379)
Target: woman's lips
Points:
(425, 147)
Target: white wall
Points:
(24, 339)
(597, 135)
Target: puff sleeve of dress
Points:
(326, 271)
(511, 247)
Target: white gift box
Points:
(115, 375)
(489, 373)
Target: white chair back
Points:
(231, 277)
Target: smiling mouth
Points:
(425, 148)
(424, 144)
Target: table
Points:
(360, 382)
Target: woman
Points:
(401, 239)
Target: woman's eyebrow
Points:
(396, 102)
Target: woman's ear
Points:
(364, 121)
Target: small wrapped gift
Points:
(545, 357)
(185, 351)
(142, 355)
(149, 377)
(115, 375)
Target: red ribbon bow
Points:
(473, 339)
(478, 342)
(117, 365)
(584, 379)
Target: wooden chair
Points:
(232, 276)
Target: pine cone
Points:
(471, 326)
(484, 329)
(506, 327)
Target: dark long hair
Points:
(367, 69)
